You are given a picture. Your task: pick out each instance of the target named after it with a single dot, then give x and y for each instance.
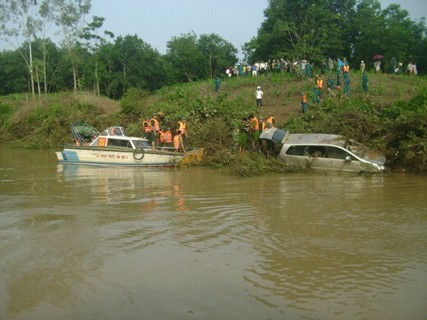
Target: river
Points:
(81, 242)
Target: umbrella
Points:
(378, 56)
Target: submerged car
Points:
(325, 151)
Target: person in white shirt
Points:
(258, 95)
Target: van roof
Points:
(315, 138)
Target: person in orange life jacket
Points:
(146, 128)
(254, 130)
(304, 102)
(161, 135)
(182, 126)
(155, 128)
(261, 125)
(346, 69)
(178, 141)
(271, 121)
(168, 138)
(319, 85)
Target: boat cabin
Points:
(116, 137)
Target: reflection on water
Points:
(81, 242)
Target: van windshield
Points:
(364, 152)
(357, 148)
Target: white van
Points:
(325, 151)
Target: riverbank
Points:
(392, 118)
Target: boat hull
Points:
(106, 156)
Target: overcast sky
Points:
(237, 21)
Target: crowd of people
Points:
(305, 69)
(162, 136)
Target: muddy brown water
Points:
(81, 242)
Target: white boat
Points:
(113, 147)
(325, 151)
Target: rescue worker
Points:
(271, 121)
(254, 130)
(146, 127)
(182, 126)
(168, 138)
(155, 128)
(162, 137)
(319, 84)
(243, 134)
(178, 141)
(304, 102)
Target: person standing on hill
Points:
(365, 84)
(362, 66)
(330, 86)
(217, 83)
(319, 85)
(304, 102)
(258, 96)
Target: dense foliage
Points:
(357, 30)
(89, 58)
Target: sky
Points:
(237, 21)
(157, 21)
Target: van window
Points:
(337, 153)
(316, 151)
(295, 150)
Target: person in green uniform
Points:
(365, 83)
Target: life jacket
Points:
(155, 124)
(346, 68)
(161, 136)
(319, 84)
(168, 136)
(271, 120)
(254, 124)
(177, 142)
(146, 126)
(182, 126)
(261, 126)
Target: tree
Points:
(69, 16)
(13, 73)
(218, 52)
(366, 34)
(21, 18)
(131, 63)
(307, 29)
(402, 36)
(186, 59)
(94, 42)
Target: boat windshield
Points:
(141, 144)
